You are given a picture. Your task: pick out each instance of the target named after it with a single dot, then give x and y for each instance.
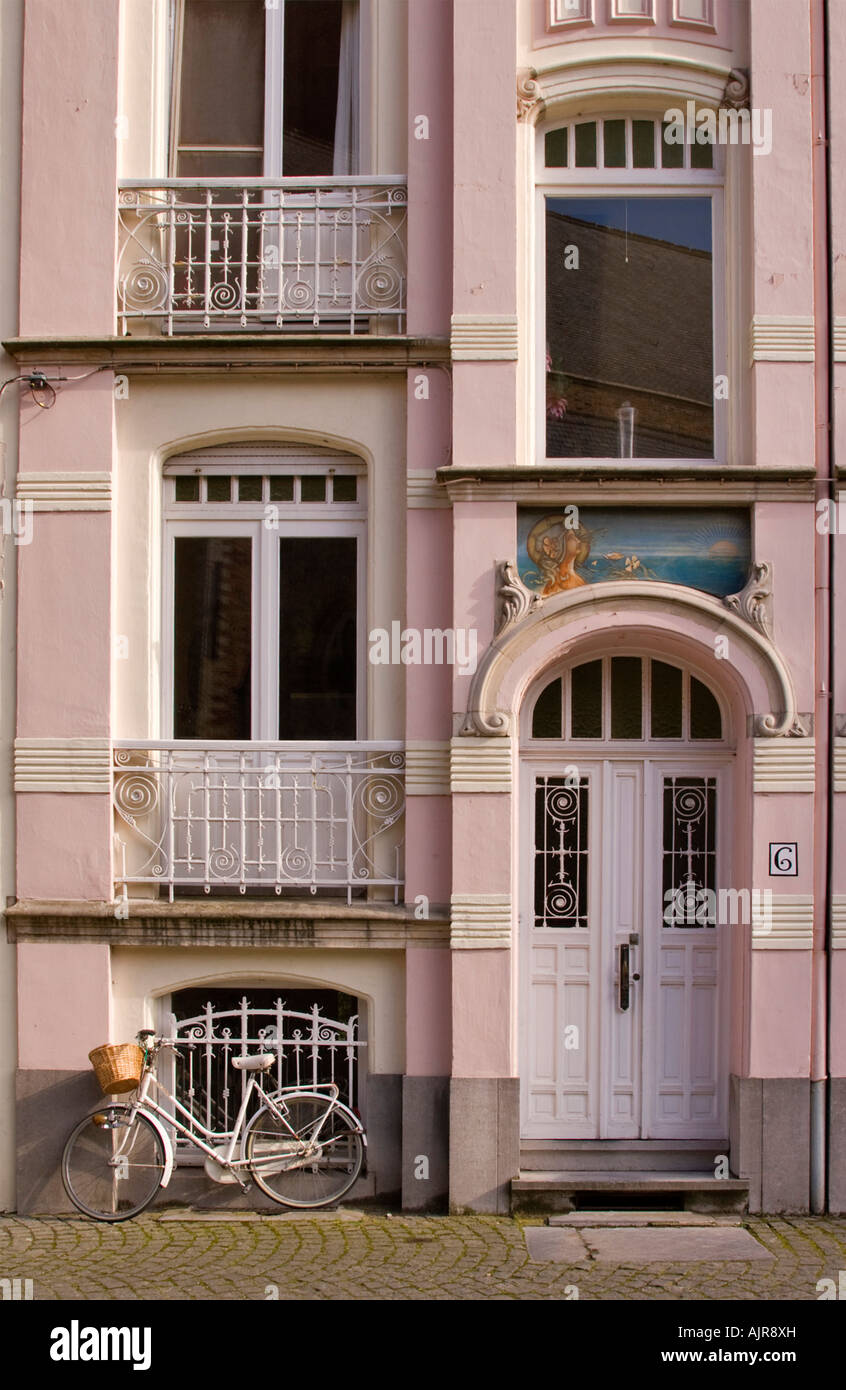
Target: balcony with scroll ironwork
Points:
(261, 819)
(292, 255)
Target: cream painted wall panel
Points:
(140, 977)
(143, 90)
(387, 22)
(363, 414)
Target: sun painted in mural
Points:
(566, 548)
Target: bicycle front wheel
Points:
(113, 1164)
(313, 1166)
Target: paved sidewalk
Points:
(359, 1255)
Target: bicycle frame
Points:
(165, 1120)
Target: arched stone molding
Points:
(613, 80)
(526, 644)
(233, 978)
(170, 451)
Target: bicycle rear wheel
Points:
(316, 1165)
(113, 1164)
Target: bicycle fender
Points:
(166, 1145)
(339, 1105)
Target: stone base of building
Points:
(484, 1142)
(837, 1145)
(770, 1139)
(48, 1106)
(425, 1143)
(441, 1142)
(51, 1103)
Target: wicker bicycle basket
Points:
(117, 1067)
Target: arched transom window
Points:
(627, 698)
(625, 142)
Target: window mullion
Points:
(274, 69)
(267, 632)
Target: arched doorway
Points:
(626, 767)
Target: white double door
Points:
(623, 1019)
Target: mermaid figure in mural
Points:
(561, 549)
(558, 549)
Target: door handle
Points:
(626, 976)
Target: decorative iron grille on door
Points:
(561, 848)
(309, 1048)
(689, 851)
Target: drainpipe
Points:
(823, 626)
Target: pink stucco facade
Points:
(436, 402)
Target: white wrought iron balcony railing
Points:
(295, 254)
(260, 817)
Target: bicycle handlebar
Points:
(151, 1042)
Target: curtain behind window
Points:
(347, 113)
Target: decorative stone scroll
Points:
(754, 601)
(529, 94)
(736, 94)
(513, 599)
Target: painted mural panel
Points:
(565, 547)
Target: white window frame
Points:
(274, 69)
(305, 520)
(634, 183)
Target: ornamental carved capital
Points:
(736, 94)
(529, 94)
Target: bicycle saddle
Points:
(261, 1062)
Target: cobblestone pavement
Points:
(360, 1255)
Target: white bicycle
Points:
(304, 1147)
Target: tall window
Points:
(632, 320)
(265, 89)
(264, 582)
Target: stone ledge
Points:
(228, 922)
(269, 350)
(601, 481)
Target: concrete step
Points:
(596, 1220)
(549, 1191)
(618, 1155)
